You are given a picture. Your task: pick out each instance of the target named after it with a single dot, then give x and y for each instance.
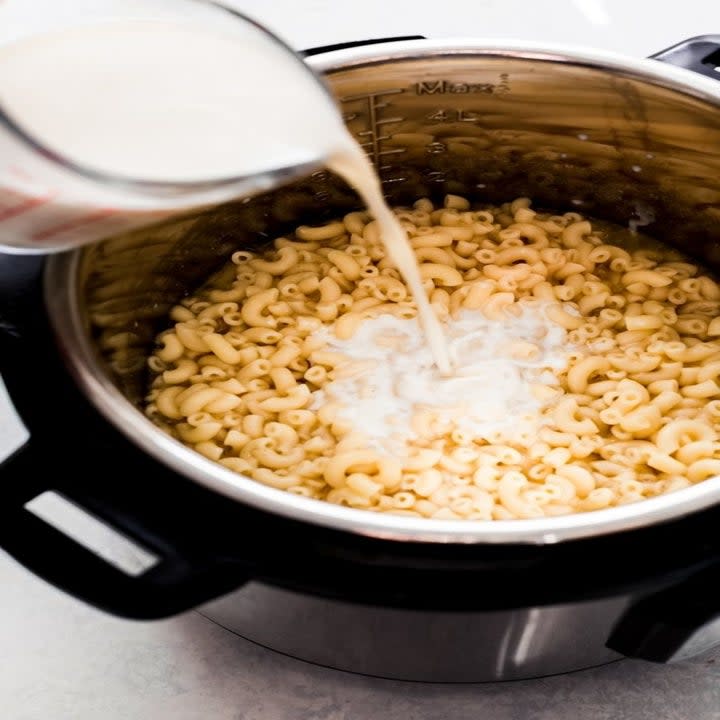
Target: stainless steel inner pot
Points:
(618, 139)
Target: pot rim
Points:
(62, 303)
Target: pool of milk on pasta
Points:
(389, 376)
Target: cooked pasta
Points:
(632, 412)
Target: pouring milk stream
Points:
(116, 125)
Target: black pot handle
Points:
(181, 579)
(75, 453)
(700, 54)
(678, 621)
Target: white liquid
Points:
(152, 100)
(389, 376)
(163, 101)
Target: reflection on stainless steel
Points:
(622, 140)
(419, 645)
(527, 637)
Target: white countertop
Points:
(61, 660)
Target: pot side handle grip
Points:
(672, 624)
(176, 583)
(184, 575)
(75, 453)
(700, 54)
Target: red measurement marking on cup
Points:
(73, 224)
(26, 206)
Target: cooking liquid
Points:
(159, 101)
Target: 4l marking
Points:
(453, 115)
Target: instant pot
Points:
(630, 141)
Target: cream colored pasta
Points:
(635, 412)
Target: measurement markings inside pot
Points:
(371, 138)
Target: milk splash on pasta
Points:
(388, 389)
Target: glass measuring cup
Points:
(54, 197)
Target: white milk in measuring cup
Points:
(114, 124)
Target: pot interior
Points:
(606, 142)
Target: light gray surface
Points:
(63, 661)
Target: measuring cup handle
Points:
(73, 452)
(700, 54)
(357, 43)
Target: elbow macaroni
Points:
(636, 411)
